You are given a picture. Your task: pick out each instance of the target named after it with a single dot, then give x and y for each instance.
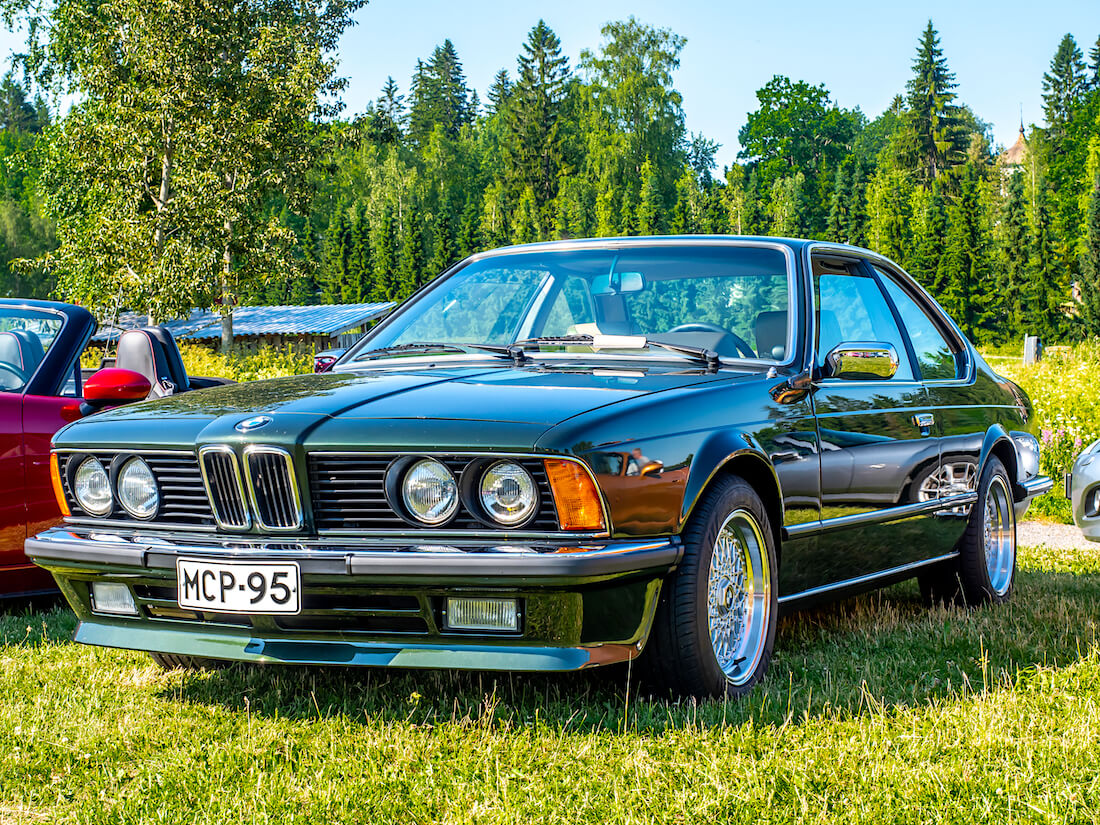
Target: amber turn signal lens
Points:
(58, 490)
(575, 495)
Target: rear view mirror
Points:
(618, 283)
(862, 361)
(113, 386)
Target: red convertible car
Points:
(42, 388)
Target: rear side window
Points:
(851, 308)
(935, 356)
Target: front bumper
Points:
(374, 602)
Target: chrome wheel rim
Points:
(999, 536)
(739, 596)
(956, 477)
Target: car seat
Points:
(770, 329)
(152, 352)
(22, 349)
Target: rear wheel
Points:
(715, 626)
(985, 570)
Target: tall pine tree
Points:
(935, 140)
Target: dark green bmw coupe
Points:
(558, 456)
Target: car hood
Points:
(530, 398)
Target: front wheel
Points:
(715, 626)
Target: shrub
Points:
(1065, 389)
(240, 365)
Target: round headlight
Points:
(508, 493)
(430, 492)
(92, 487)
(137, 489)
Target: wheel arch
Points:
(744, 459)
(998, 443)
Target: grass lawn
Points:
(876, 710)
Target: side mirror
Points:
(113, 386)
(862, 361)
(653, 468)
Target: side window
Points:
(934, 355)
(851, 307)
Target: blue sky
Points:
(861, 51)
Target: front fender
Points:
(738, 452)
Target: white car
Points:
(1083, 491)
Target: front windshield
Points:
(733, 300)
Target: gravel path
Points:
(1034, 533)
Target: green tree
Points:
(1013, 255)
(1064, 86)
(439, 96)
(534, 146)
(191, 119)
(1045, 290)
(1090, 264)
(637, 112)
(651, 207)
(968, 292)
(935, 136)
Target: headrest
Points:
(177, 372)
(142, 352)
(771, 334)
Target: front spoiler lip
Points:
(66, 548)
(247, 647)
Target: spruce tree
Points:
(1090, 263)
(439, 96)
(1063, 86)
(500, 92)
(337, 253)
(1045, 289)
(968, 292)
(469, 233)
(1014, 246)
(410, 266)
(359, 275)
(935, 139)
(1094, 66)
(533, 149)
(929, 226)
(443, 234)
(388, 119)
(836, 227)
(857, 206)
(384, 241)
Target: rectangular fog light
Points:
(482, 614)
(109, 597)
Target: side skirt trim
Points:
(861, 581)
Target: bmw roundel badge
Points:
(253, 423)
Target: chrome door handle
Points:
(924, 421)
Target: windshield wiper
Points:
(707, 356)
(431, 346)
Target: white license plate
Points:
(238, 586)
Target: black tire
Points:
(975, 577)
(174, 661)
(680, 656)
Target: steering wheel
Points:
(704, 326)
(20, 376)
